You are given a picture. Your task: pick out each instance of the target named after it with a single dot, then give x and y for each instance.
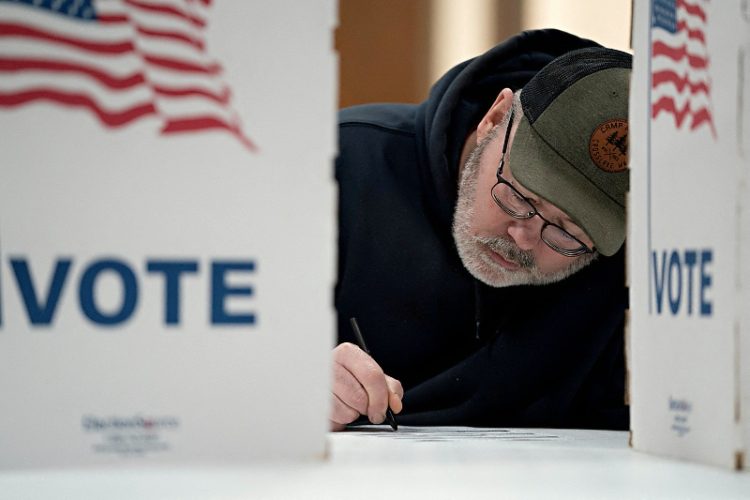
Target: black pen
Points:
(361, 341)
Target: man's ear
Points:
(495, 114)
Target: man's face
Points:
(496, 248)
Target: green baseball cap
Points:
(571, 145)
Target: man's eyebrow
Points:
(562, 220)
(568, 225)
(526, 193)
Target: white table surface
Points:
(442, 463)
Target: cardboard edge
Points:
(628, 358)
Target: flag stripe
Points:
(667, 105)
(700, 117)
(679, 53)
(680, 82)
(14, 30)
(168, 10)
(73, 82)
(111, 81)
(693, 34)
(110, 118)
(129, 60)
(693, 9)
(177, 65)
(205, 122)
(166, 78)
(221, 98)
(112, 18)
(172, 35)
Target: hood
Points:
(464, 94)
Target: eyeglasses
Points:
(518, 206)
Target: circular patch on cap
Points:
(608, 146)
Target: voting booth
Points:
(167, 215)
(689, 230)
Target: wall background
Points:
(393, 50)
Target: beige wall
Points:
(604, 21)
(383, 47)
(393, 50)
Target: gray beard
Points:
(473, 249)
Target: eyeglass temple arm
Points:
(505, 143)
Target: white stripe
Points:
(173, 50)
(681, 67)
(110, 7)
(46, 20)
(175, 80)
(70, 83)
(117, 65)
(165, 23)
(162, 20)
(697, 101)
(185, 107)
(694, 47)
(691, 19)
(193, 8)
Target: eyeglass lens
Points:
(515, 205)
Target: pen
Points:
(361, 341)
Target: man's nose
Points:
(525, 232)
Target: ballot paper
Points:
(448, 433)
(459, 444)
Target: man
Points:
(481, 244)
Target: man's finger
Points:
(370, 376)
(341, 413)
(395, 403)
(348, 389)
(396, 394)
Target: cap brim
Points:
(548, 175)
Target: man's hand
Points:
(361, 388)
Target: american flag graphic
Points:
(680, 81)
(119, 60)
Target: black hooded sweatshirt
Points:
(466, 353)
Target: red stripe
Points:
(678, 53)
(179, 65)
(111, 81)
(172, 35)
(112, 18)
(108, 118)
(169, 10)
(181, 125)
(692, 9)
(694, 34)
(666, 76)
(222, 98)
(700, 117)
(10, 30)
(666, 104)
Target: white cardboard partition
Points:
(166, 231)
(689, 230)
